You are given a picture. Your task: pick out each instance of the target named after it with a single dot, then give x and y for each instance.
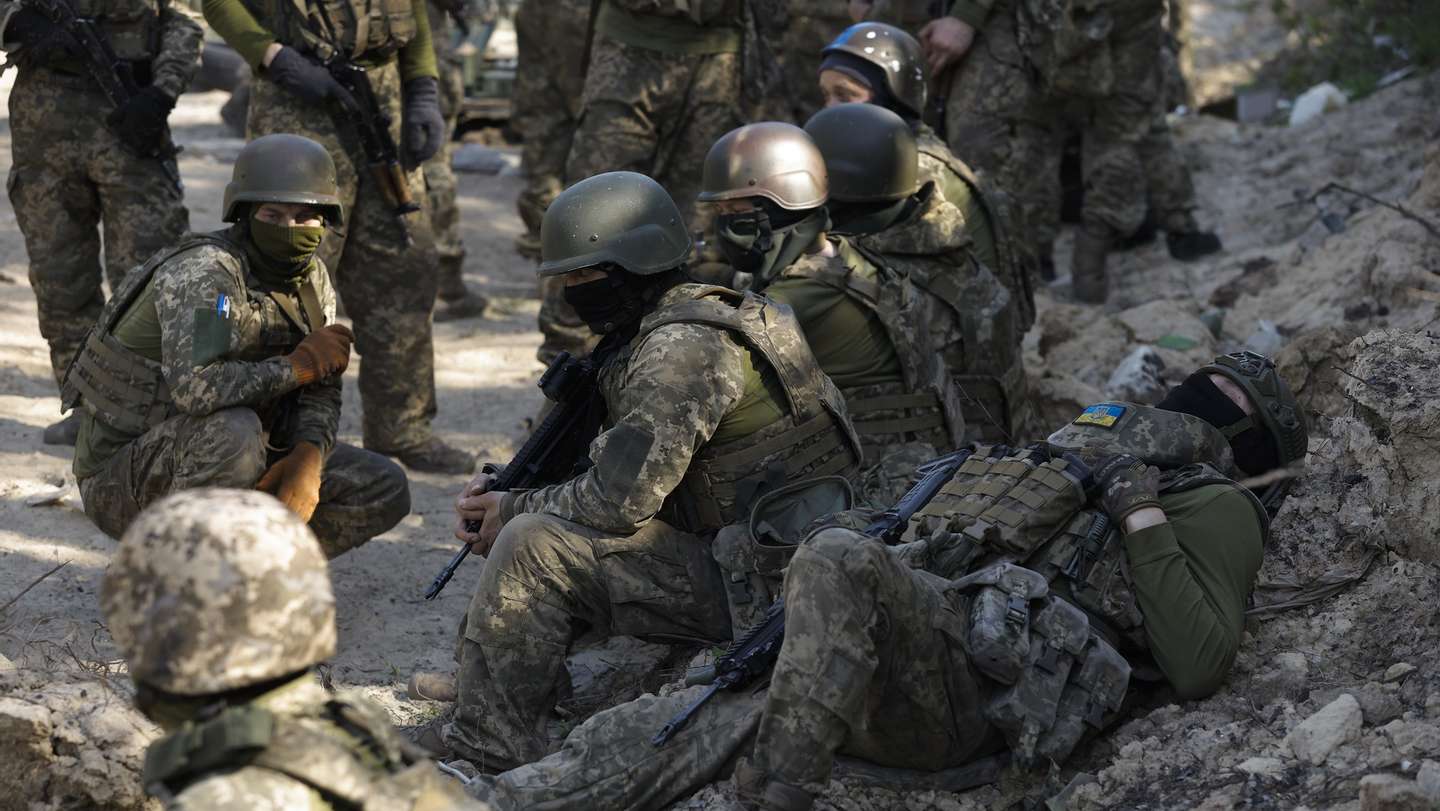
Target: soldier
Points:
(878, 202)
(1017, 74)
(77, 162)
(903, 655)
(385, 262)
(868, 325)
(810, 26)
(225, 665)
(549, 86)
(456, 300)
(712, 399)
(217, 363)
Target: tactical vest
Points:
(132, 27)
(1013, 268)
(367, 30)
(352, 757)
(127, 391)
(927, 401)
(814, 439)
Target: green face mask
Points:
(287, 245)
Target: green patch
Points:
(1179, 343)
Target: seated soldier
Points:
(220, 602)
(993, 628)
(217, 364)
(867, 324)
(711, 399)
(877, 202)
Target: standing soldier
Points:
(456, 300)
(79, 162)
(220, 602)
(217, 364)
(549, 86)
(809, 26)
(386, 259)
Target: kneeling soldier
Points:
(216, 364)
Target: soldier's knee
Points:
(231, 443)
(524, 538)
(392, 490)
(838, 554)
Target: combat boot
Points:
(757, 792)
(455, 299)
(64, 432)
(1087, 266)
(435, 456)
(1187, 246)
(429, 686)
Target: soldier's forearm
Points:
(240, 30)
(417, 58)
(971, 12)
(181, 39)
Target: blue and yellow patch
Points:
(1104, 415)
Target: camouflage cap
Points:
(213, 590)
(771, 160)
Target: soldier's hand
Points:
(483, 508)
(324, 352)
(295, 479)
(423, 131)
(945, 41)
(311, 82)
(140, 123)
(1126, 485)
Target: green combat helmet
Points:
(284, 169)
(895, 52)
(870, 153)
(623, 218)
(213, 590)
(774, 161)
(1278, 410)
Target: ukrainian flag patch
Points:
(1104, 415)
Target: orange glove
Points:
(323, 353)
(295, 479)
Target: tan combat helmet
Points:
(213, 590)
(774, 161)
(895, 52)
(284, 168)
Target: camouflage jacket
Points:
(141, 30)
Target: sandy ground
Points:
(485, 371)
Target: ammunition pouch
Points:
(1058, 680)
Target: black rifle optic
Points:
(755, 652)
(554, 449)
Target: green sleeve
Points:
(417, 58)
(971, 12)
(240, 30)
(1192, 577)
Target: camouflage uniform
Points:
(810, 26)
(624, 548)
(223, 399)
(198, 648)
(70, 173)
(1007, 98)
(387, 283)
(440, 184)
(1168, 181)
(549, 88)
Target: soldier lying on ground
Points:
(216, 364)
(868, 324)
(220, 602)
(997, 626)
(711, 398)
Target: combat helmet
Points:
(774, 161)
(1279, 412)
(284, 168)
(870, 153)
(895, 53)
(624, 218)
(213, 590)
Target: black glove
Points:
(32, 31)
(140, 124)
(424, 128)
(1126, 484)
(311, 82)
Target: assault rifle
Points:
(755, 652)
(114, 76)
(554, 449)
(372, 124)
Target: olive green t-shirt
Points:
(847, 338)
(1192, 577)
(761, 404)
(137, 329)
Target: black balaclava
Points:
(768, 239)
(1254, 447)
(867, 73)
(620, 299)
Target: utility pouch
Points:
(1026, 515)
(1091, 698)
(1026, 710)
(998, 640)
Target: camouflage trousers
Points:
(1171, 190)
(362, 494)
(548, 580)
(804, 38)
(1003, 122)
(69, 175)
(549, 85)
(441, 188)
(872, 667)
(386, 279)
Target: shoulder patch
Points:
(1104, 415)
